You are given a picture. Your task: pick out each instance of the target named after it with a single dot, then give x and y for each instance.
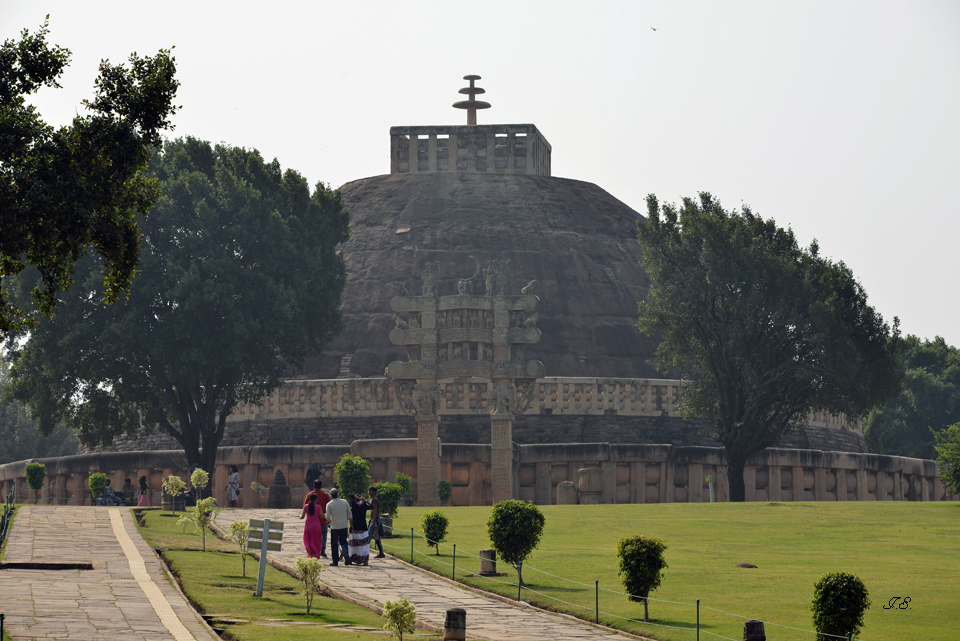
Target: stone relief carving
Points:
(400, 323)
(403, 390)
(501, 398)
(430, 274)
(425, 400)
(501, 275)
(413, 353)
(532, 321)
(529, 287)
(518, 319)
(526, 388)
(414, 320)
(488, 278)
(441, 320)
(400, 288)
(465, 285)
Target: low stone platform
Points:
(126, 595)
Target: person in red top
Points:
(322, 499)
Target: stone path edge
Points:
(329, 590)
(174, 581)
(284, 567)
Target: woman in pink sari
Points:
(312, 529)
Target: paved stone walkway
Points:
(127, 594)
(388, 579)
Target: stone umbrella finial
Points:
(472, 105)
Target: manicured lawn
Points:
(899, 549)
(12, 516)
(213, 581)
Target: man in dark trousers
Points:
(322, 499)
(376, 525)
(338, 513)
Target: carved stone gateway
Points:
(466, 335)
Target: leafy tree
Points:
(174, 486)
(839, 601)
(434, 525)
(240, 533)
(259, 488)
(389, 495)
(948, 456)
(36, 474)
(201, 517)
(515, 528)
(353, 475)
(641, 567)
(240, 280)
(97, 483)
(400, 615)
(19, 438)
(764, 330)
(308, 571)
(67, 190)
(930, 400)
(199, 479)
(444, 491)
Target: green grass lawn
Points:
(213, 581)
(899, 549)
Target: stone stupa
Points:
(487, 191)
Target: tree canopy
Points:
(19, 438)
(764, 330)
(69, 189)
(240, 280)
(929, 402)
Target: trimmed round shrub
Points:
(36, 474)
(389, 495)
(434, 525)
(444, 491)
(353, 475)
(641, 567)
(839, 601)
(515, 528)
(97, 483)
(406, 485)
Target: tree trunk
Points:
(738, 490)
(520, 573)
(646, 612)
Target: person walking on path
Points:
(312, 536)
(144, 492)
(376, 525)
(322, 499)
(233, 486)
(128, 491)
(338, 513)
(359, 536)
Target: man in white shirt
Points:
(338, 513)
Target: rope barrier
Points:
(616, 592)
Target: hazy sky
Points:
(840, 120)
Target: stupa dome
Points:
(574, 238)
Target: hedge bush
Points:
(353, 475)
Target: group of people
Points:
(127, 493)
(350, 534)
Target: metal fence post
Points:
(454, 561)
(698, 619)
(411, 545)
(597, 598)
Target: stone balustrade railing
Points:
(553, 395)
(616, 473)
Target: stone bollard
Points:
(488, 562)
(753, 631)
(455, 625)
(278, 497)
(567, 493)
(387, 522)
(591, 485)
